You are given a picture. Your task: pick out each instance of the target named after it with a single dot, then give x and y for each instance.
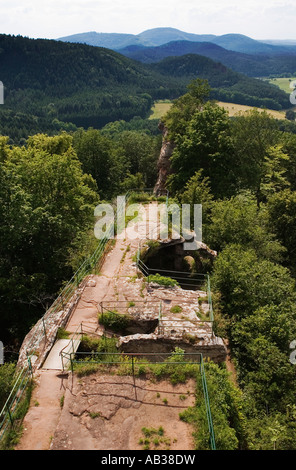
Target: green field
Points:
(283, 83)
(160, 108)
(234, 109)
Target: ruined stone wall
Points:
(163, 164)
(42, 336)
(213, 348)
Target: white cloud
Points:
(55, 18)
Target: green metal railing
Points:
(46, 322)
(9, 412)
(149, 359)
(198, 280)
(207, 403)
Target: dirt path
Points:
(106, 412)
(44, 413)
(42, 418)
(117, 281)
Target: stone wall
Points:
(163, 164)
(42, 336)
(212, 348)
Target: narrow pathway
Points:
(41, 420)
(117, 281)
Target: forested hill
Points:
(249, 64)
(77, 83)
(227, 85)
(51, 83)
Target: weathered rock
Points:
(163, 164)
(42, 336)
(210, 347)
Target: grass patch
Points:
(125, 253)
(62, 401)
(283, 83)
(176, 309)
(114, 321)
(160, 108)
(163, 280)
(154, 439)
(95, 415)
(63, 334)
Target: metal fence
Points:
(10, 410)
(9, 413)
(136, 360)
(195, 281)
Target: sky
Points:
(51, 19)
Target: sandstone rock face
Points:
(42, 336)
(163, 164)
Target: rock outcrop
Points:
(163, 164)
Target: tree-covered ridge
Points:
(60, 86)
(76, 83)
(242, 172)
(226, 84)
(248, 64)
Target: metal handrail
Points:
(176, 275)
(200, 362)
(59, 304)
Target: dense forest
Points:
(253, 65)
(52, 86)
(243, 173)
(70, 153)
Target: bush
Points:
(226, 409)
(7, 376)
(114, 321)
(163, 281)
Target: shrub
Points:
(163, 280)
(114, 321)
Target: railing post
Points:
(9, 415)
(44, 328)
(62, 359)
(133, 369)
(30, 365)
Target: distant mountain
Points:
(279, 42)
(226, 84)
(241, 43)
(149, 38)
(52, 83)
(109, 40)
(249, 64)
(159, 36)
